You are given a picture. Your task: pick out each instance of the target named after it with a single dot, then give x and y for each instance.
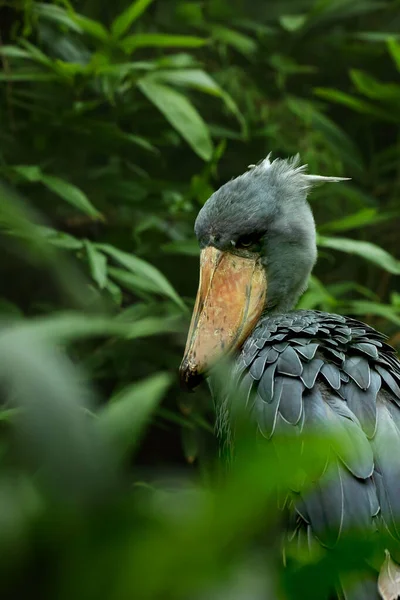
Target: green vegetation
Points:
(118, 120)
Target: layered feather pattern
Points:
(308, 371)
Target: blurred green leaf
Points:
(364, 307)
(317, 296)
(133, 282)
(36, 53)
(356, 104)
(143, 269)
(55, 13)
(93, 28)
(288, 66)
(363, 217)
(59, 238)
(54, 434)
(199, 80)
(366, 250)
(123, 22)
(395, 299)
(189, 247)
(181, 114)
(14, 52)
(370, 87)
(97, 264)
(70, 193)
(72, 326)
(62, 188)
(334, 135)
(394, 48)
(122, 420)
(376, 36)
(160, 40)
(330, 10)
(292, 22)
(240, 42)
(344, 287)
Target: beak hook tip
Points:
(190, 378)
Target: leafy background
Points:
(118, 120)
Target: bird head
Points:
(258, 247)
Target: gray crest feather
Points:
(291, 171)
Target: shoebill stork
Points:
(301, 369)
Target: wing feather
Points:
(317, 372)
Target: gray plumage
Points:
(313, 396)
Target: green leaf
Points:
(366, 250)
(9, 414)
(160, 40)
(364, 307)
(59, 238)
(363, 217)
(188, 247)
(316, 296)
(192, 78)
(63, 446)
(62, 188)
(395, 299)
(56, 14)
(345, 287)
(97, 264)
(333, 135)
(71, 194)
(358, 105)
(93, 28)
(29, 172)
(376, 36)
(328, 10)
(145, 270)
(292, 22)
(123, 419)
(133, 282)
(115, 292)
(198, 80)
(181, 114)
(372, 88)
(36, 53)
(71, 326)
(288, 66)
(140, 141)
(14, 52)
(123, 22)
(394, 49)
(31, 75)
(240, 42)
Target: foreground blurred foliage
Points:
(118, 121)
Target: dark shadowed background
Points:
(118, 120)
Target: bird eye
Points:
(245, 242)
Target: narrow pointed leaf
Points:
(123, 419)
(181, 114)
(160, 40)
(97, 264)
(122, 23)
(366, 250)
(143, 269)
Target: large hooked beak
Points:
(230, 300)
